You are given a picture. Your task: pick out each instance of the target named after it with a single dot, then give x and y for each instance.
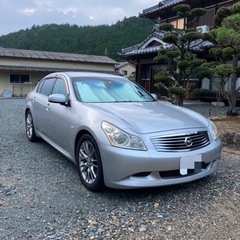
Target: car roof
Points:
(84, 74)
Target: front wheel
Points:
(30, 130)
(89, 163)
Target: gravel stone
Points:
(41, 196)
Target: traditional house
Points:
(20, 70)
(142, 55)
(126, 69)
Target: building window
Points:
(124, 72)
(178, 23)
(19, 78)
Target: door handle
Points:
(48, 106)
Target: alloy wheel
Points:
(88, 163)
(29, 126)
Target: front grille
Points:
(183, 142)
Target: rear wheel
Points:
(89, 163)
(30, 130)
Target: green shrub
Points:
(199, 92)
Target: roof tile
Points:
(33, 54)
(198, 45)
(162, 5)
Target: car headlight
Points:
(214, 131)
(119, 138)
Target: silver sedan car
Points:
(118, 134)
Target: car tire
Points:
(30, 129)
(89, 163)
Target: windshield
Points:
(109, 90)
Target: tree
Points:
(81, 39)
(179, 62)
(226, 53)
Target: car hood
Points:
(149, 117)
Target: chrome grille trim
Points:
(182, 142)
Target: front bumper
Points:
(126, 169)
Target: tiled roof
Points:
(138, 50)
(198, 45)
(49, 69)
(121, 64)
(134, 52)
(44, 55)
(162, 5)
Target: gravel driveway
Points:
(41, 197)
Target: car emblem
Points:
(188, 141)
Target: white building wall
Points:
(56, 64)
(19, 89)
(36, 76)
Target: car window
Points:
(40, 86)
(47, 86)
(59, 87)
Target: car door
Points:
(40, 102)
(59, 117)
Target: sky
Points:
(22, 14)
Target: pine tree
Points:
(179, 62)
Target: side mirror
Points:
(57, 98)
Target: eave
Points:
(147, 46)
(153, 12)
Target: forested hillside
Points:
(97, 40)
